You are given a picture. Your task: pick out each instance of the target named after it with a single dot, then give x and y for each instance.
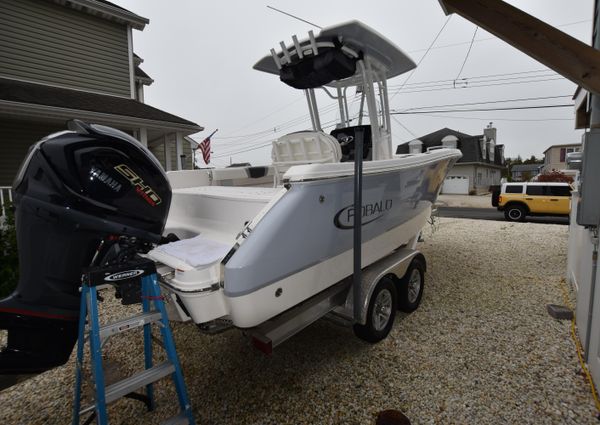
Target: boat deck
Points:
(245, 193)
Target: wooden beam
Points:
(566, 55)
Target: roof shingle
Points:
(39, 94)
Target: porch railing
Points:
(5, 199)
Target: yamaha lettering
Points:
(127, 274)
(344, 219)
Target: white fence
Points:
(5, 199)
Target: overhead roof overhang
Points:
(24, 99)
(107, 10)
(566, 55)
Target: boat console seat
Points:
(304, 147)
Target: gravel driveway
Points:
(481, 349)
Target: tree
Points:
(9, 260)
(555, 176)
(533, 160)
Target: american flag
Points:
(204, 147)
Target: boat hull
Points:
(303, 244)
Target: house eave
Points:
(107, 11)
(29, 110)
(562, 145)
(144, 81)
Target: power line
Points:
(522, 99)
(467, 55)
(278, 109)
(484, 85)
(427, 115)
(422, 57)
(479, 77)
(514, 108)
(278, 128)
(403, 126)
(444, 46)
(264, 143)
(295, 17)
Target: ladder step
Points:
(128, 323)
(134, 382)
(180, 419)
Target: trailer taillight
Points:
(263, 344)
(500, 199)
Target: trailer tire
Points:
(410, 287)
(380, 313)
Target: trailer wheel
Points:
(380, 314)
(410, 287)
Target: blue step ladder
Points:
(136, 280)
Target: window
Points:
(536, 190)
(514, 188)
(559, 191)
(563, 153)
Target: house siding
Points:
(481, 177)
(48, 43)
(552, 157)
(158, 151)
(16, 136)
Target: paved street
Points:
(493, 214)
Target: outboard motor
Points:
(90, 196)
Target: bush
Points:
(554, 176)
(9, 258)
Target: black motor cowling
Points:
(74, 190)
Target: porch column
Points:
(143, 136)
(179, 150)
(167, 153)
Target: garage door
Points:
(456, 185)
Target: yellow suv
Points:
(519, 200)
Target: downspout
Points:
(588, 329)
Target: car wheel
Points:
(515, 213)
(380, 314)
(410, 287)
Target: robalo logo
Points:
(344, 219)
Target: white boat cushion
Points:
(305, 147)
(196, 252)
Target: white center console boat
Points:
(263, 250)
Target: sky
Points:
(200, 55)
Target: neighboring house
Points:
(67, 59)
(480, 166)
(524, 172)
(555, 157)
